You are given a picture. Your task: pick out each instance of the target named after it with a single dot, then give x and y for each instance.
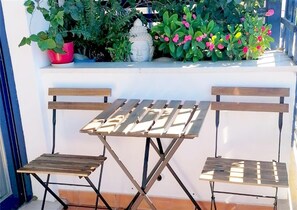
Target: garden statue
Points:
(142, 43)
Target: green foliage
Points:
(221, 11)
(61, 23)
(115, 30)
(224, 29)
(108, 24)
(99, 29)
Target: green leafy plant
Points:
(61, 19)
(107, 24)
(117, 22)
(193, 37)
(190, 38)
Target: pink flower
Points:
(166, 39)
(194, 16)
(239, 41)
(258, 47)
(269, 32)
(204, 36)
(156, 37)
(245, 49)
(184, 17)
(227, 37)
(220, 46)
(260, 38)
(188, 38)
(210, 46)
(186, 24)
(270, 12)
(263, 28)
(175, 38)
(199, 38)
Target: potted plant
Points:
(108, 24)
(57, 39)
(224, 30)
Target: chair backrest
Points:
(279, 107)
(79, 105)
(75, 104)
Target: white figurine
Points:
(142, 43)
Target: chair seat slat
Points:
(80, 165)
(248, 172)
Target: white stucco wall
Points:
(154, 81)
(180, 81)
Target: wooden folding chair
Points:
(253, 172)
(69, 164)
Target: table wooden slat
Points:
(159, 119)
(134, 117)
(265, 173)
(115, 119)
(165, 120)
(181, 120)
(147, 121)
(102, 117)
(197, 120)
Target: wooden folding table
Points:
(148, 119)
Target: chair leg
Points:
(100, 178)
(275, 199)
(65, 206)
(45, 192)
(98, 193)
(213, 201)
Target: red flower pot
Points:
(67, 57)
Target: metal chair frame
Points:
(54, 105)
(243, 106)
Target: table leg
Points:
(128, 174)
(171, 149)
(145, 162)
(152, 171)
(161, 154)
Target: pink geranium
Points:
(188, 38)
(186, 24)
(194, 16)
(210, 46)
(227, 37)
(199, 38)
(220, 46)
(269, 32)
(263, 28)
(270, 12)
(239, 41)
(166, 39)
(258, 47)
(245, 49)
(260, 38)
(175, 38)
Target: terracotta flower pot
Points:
(67, 57)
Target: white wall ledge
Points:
(265, 63)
